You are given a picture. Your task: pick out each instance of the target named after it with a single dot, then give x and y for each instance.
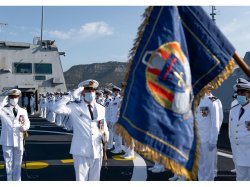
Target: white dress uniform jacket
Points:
(11, 134)
(12, 139)
(239, 135)
(208, 117)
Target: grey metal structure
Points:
(225, 91)
(32, 68)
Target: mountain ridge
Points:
(107, 73)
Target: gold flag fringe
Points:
(216, 82)
(151, 154)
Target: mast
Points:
(213, 14)
(42, 26)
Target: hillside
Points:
(104, 73)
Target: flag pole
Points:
(242, 64)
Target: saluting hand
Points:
(4, 102)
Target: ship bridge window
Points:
(40, 77)
(43, 68)
(25, 68)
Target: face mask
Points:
(242, 99)
(89, 97)
(14, 102)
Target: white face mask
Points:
(242, 99)
(90, 97)
(14, 101)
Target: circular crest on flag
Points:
(168, 76)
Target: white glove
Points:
(4, 102)
(211, 146)
(77, 93)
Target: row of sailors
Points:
(209, 117)
(109, 99)
(88, 119)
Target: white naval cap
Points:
(242, 84)
(106, 90)
(100, 92)
(115, 88)
(91, 83)
(15, 92)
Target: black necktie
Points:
(91, 112)
(241, 112)
(14, 111)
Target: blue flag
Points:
(178, 51)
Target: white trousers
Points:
(43, 112)
(242, 173)
(111, 137)
(59, 119)
(117, 138)
(87, 169)
(13, 161)
(206, 163)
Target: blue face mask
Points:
(242, 99)
(89, 97)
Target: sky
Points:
(94, 34)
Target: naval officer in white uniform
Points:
(89, 131)
(239, 130)
(15, 122)
(208, 117)
(114, 114)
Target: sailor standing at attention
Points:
(209, 120)
(25, 101)
(239, 130)
(89, 131)
(32, 102)
(114, 113)
(108, 101)
(15, 122)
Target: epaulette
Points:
(213, 98)
(106, 104)
(77, 101)
(6, 106)
(234, 106)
